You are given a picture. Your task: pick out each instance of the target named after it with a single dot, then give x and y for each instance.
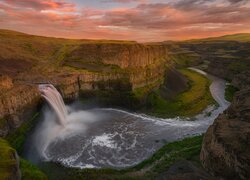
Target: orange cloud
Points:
(175, 20)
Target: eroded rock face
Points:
(174, 83)
(242, 80)
(226, 145)
(5, 83)
(16, 106)
(124, 55)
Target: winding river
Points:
(106, 137)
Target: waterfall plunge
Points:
(59, 122)
(54, 98)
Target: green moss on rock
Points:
(30, 171)
(229, 92)
(17, 138)
(9, 164)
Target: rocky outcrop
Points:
(16, 106)
(124, 55)
(226, 145)
(174, 83)
(242, 80)
(5, 83)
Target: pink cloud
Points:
(145, 22)
(41, 5)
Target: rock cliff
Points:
(16, 106)
(225, 149)
(73, 66)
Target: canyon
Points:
(129, 71)
(73, 66)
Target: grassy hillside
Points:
(241, 37)
(21, 52)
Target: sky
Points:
(139, 20)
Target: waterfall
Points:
(54, 98)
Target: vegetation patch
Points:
(188, 148)
(229, 92)
(8, 161)
(188, 103)
(142, 92)
(30, 172)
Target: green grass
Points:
(140, 93)
(188, 103)
(241, 37)
(188, 148)
(31, 172)
(229, 92)
(17, 138)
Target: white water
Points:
(106, 137)
(53, 97)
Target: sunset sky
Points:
(140, 20)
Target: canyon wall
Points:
(226, 144)
(17, 106)
(73, 66)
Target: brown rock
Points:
(5, 83)
(226, 145)
(16, 106)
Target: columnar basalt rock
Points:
(16, 106)
(130, 55)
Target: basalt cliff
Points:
(74, 66)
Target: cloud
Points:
(123, 1)
(41, 5)
(178, 19)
